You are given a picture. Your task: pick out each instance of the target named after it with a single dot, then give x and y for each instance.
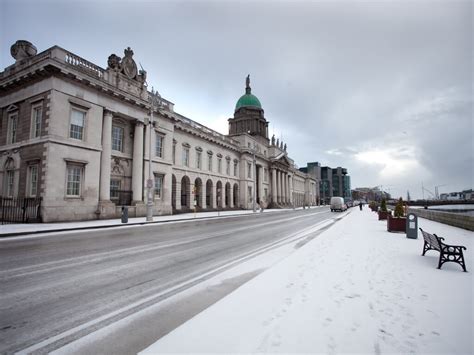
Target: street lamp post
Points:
(154, 100)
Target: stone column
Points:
(213, 196)
(203, 195)
(178, 194)
(285, 187)
(291, 189)
(231, 196)
(105, 158)
(137, 165)
(280, 199)
(260, 183)
(274, 183)
(288, 190)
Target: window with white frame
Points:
(74, 173)
(235, 168)
(158, 185)
(249, 170)
(198, 160)
(159, 145)
(115, 187)
(33, 180)
(78, 119)
(36, 118)
(209, 162)
(219, 165)
(12, 127)
(117, 138)
(185, 156)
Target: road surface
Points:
(58, 288)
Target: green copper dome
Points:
(248, 100)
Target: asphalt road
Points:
(58, 288)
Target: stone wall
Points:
(453, 219)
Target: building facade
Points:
(331, 181)
(84, 140)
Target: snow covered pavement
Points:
(356, 288)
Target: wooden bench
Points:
(447, 253)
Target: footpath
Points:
(355, 288)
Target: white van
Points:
(337, 204)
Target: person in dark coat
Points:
(360, 206)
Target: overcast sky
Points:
(383, 88)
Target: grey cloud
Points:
(343, 76)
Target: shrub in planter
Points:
(399, 221)
(373, 206)
(383, 213)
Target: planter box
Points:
(396, 224)
(383, 215)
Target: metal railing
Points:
(20, 210)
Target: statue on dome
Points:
(284, 147)
(247, 82)
(278, 142)
(273, 140)
(281, 144)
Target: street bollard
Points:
(124, 214)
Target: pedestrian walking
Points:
(360, 206)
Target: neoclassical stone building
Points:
(82, 138)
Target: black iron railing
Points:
(20, 210)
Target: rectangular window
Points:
(209, 162)
(76, 129)
(12, 128)
(249, 170)
(249, 191)
(219, 165)
(10, 183)
(158, 185)
(265, 194)
(198, 160)
(73, 182)
(159, 145)
(227, 168)
(235, 168)
(37, 115)
(117, 138)
(265, 175)
(114, 189)
(185, 156)
(174, 153)
(33, 180)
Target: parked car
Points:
(337, 204)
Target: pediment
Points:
(283, 160)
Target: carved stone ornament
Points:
(129, 67)
(114, 62)
(22, 49)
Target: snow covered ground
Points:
(356, 288)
